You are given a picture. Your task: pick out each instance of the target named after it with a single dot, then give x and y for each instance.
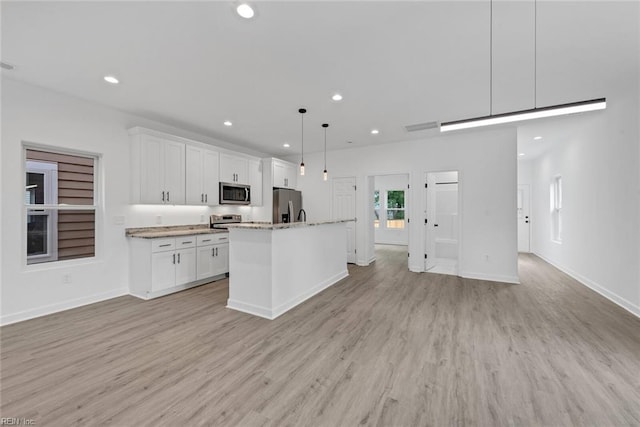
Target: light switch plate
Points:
(118, 220)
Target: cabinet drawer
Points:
(185, 242)
(161, 245)
(212, 239)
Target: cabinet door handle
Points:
(168, 196)
(213, 252)
(165, 245)
(222, 238)
(216, 251)
(206, 198)
(187, 243)
(174, 258)
(163, 196)
(206, 240)
(201, 197)
(178, 258)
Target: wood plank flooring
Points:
(383, 347)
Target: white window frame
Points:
(50, 173)
(95, 207)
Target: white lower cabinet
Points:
(165, 265)
(213, 255)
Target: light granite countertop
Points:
(268, 226)
(171, 231)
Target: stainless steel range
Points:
(218, 221)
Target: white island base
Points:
(273, 268)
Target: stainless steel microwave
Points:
(234, 194)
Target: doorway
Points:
(390, 222)
(442, 222)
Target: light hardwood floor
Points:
(383, 347)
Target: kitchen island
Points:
(274, 267)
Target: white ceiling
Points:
(195, 64)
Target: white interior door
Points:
(524, 219)
(344, 207)
(430, 222)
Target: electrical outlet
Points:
(201, 218)
(66, 279)
(486, 258)
(158, 219)
(118, 220)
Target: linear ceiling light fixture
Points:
(533, 113)
(324, 173)
(302, 111)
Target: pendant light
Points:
(324, 174)
(302, 111)
(533, 113)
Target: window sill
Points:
(54, 265)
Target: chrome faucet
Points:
(302, 214)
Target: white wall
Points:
(525, 172)
(486, 160)
(391, 236)
(597, 155)
(32, 114)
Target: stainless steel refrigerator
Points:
(287, 205)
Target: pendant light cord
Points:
(535, 53)
(325, 148)
(302, 135)
(491, 58)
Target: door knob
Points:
(526, 222)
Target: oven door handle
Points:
(246, 194)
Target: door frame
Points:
(367, 203)
(460, 210)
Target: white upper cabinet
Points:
(201, 176)
(167, 169)
(285, 174)
(255, 180)
(158, 170)
(234, 169)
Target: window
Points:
(60, 206)
(395, 209)
(556, 209)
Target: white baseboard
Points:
(272, 313)
(490, 277)
(250, 309)
(61, 306)
(615, 298)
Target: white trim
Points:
(614, 298)
(490, 277)
(61, 306)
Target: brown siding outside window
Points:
(59, 232)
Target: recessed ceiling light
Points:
(375, 131)
(111, 79)
(227, 123)
(537, 138)
(245, 11)
(337, 97)
(521, 154)
(285, 145)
